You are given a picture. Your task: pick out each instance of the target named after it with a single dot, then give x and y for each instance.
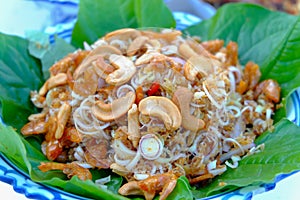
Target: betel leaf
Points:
(280, 156)
(47, 52)
(271, 39)
(19, 74)
(97, 19)
(182, 190)
(39, 43)
(13, 147)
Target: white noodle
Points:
(122, 90)
(213, 101)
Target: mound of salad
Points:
(129, 111)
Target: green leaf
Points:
(280, 156)
(14, 113)
(13, 147)
(96, 18)
(48, 54)
(271, 39)
(19, 74)
(146, 17)
(83, 188)
(38, 43)
(182, 191)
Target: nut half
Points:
(163, 108)
(112, 111)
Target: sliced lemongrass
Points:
(151, 146)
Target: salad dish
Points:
(131, 111)
(152, 107)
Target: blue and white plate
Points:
(57, 17)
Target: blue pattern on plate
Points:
(62, 23)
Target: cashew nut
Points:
(125, 69)
(133, 125)
(84, 65)
(147, 57)
(199, 64)
(186, 51)
(136, 44)
(130, 188)
(63, 116)
(101, 68)
(163, 108)
(122, 34)
(167, 34)
(114, 110)
(182, 98)
(53, 81)
(118, 169)
(101, 51)
(105, 51)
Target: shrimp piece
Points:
(70, 61)
(70, 169)
(71, 134)
(231, 54)
(34, 127)
(250, 79)
(87, 82)
(53, 149)
(149, 187)
(213, 46)
(201, 178)
(96, 152)
(270, 88)
(139, 94)
(252, 75)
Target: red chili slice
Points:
(153, 89)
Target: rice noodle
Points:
(134, 161)
(122, 90)
(233, 152)
(213, 101)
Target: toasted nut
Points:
(186, 51)
(130, 188)
(63, 116)
(105, 51)
(136, 45)
(118, 169)
(114, 110)
(162, 108)
(199, 64)
(122, 34)
(37, 116)
(153, 45)
(54, 81)
(167, 34)
(84, 65)
(147, 57)
(182, 98)
(125, 69)
(133, 125)
(101, 68)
